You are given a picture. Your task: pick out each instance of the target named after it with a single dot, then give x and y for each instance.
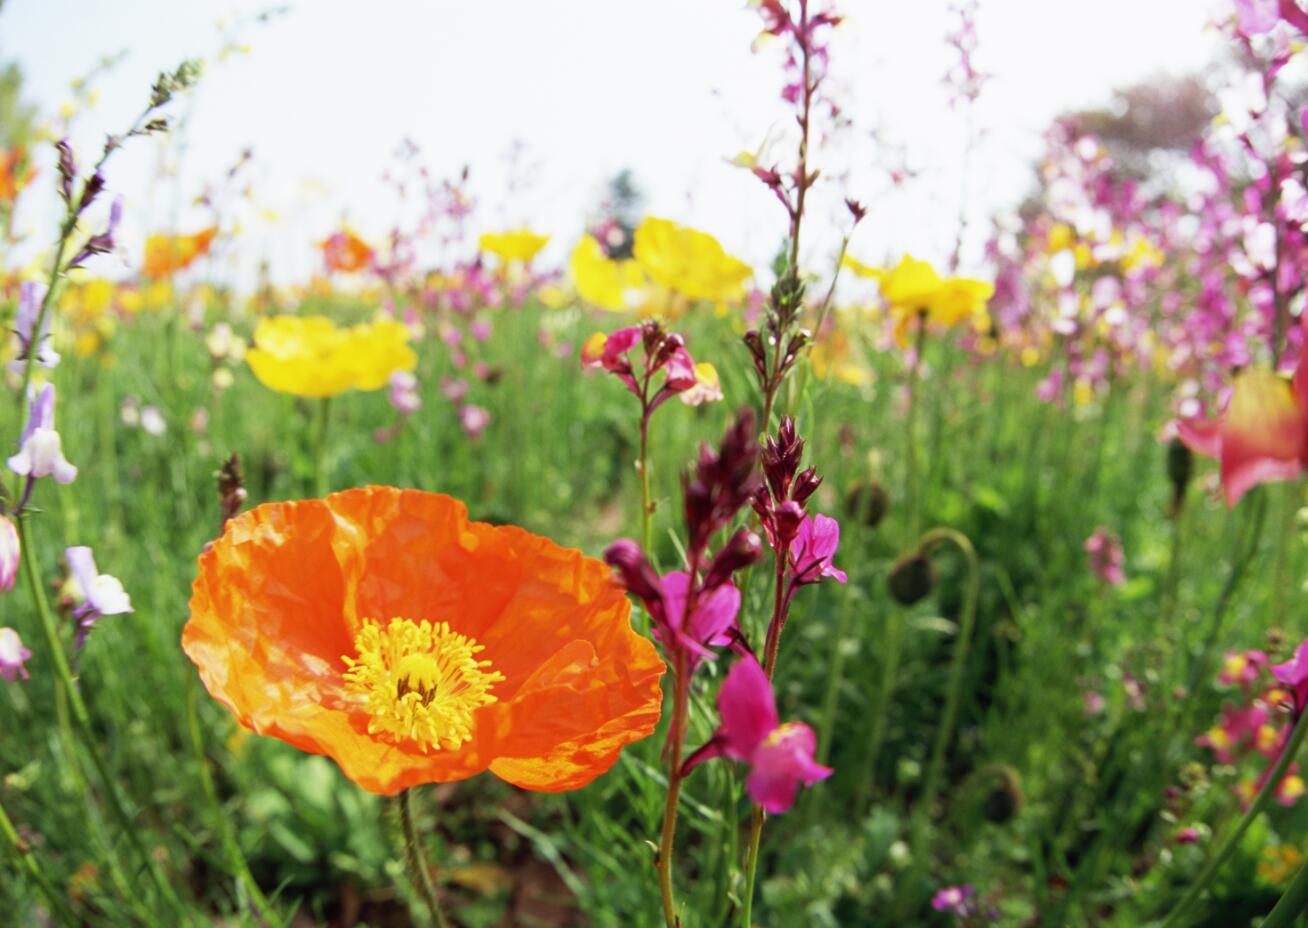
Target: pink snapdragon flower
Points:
(813, 550)
(403, 393)
(1294, 674)
(1106, 556)
(664, 351)
(12, 656)
(102, 594)
(780, 756)
(41, 452)
(9, 554)
(1241, 667)
(713, 620)
(473, 420)
(956, 900)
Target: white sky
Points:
(668, 88)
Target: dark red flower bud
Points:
(787, 518)
(742, 550)
(805, 485)
(637, 575)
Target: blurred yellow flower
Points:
(312, 356)
(913, 287)
(688, 261)
(514, 245)
(1279, 863)
(707, 389)
(599, 279)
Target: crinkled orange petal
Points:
(281, 595)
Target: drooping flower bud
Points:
(869, 502)
(637, 575)
(912, 577)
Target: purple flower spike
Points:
(30, 297)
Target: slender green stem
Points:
(1291, 905)
(321, 477)
(235, 859)
(1251, 814)
(28, 863)
(962, 644)
(418, 866)
(677, 736)
(82, 718)
(646, 512)
(781, 602)
(751, 864)
(910, 430)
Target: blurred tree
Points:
(17, 119)
(1145, 125)
(618, 214)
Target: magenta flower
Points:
(664, 351)
(1294, 674)
(101, 594)
(1241, 667)
(813, 550)
(956, 900)
(41, 452)
(1106, 556)
(780, 757)
(9, 554)
(1188, 835)
(713, 619)
(12, 656)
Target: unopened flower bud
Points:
(1180, 467)
(912, 578)
(869, 502)
(743, 549)
(788, 517)
(805, 485)
(639, 578)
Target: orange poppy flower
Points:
(382, 628)
(15, 173)
(167, 254)
(345, 251)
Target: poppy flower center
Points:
(419, 681)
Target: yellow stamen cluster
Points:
(419, 681)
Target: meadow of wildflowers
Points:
(649, 587)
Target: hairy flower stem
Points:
(676, 739)
(642, 464)
(1291, 905)
(26, 861)
(82, 718)
(417, 866)
(321, 483)
(962, 644)
(1232, 841)
(235, 859)
(801, 170)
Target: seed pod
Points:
(868, 502)
(912, 578)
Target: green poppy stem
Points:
(417, 866)
(321, 481)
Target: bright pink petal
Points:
(747, 708)
(781, 763)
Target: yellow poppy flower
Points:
(312, 356)
(515, 245)
(600, 280)
(688, 261)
